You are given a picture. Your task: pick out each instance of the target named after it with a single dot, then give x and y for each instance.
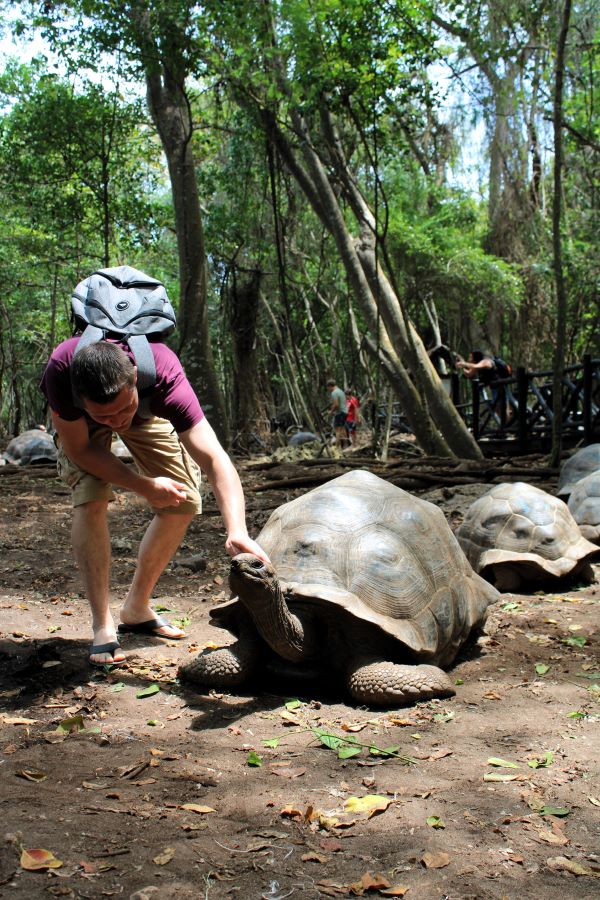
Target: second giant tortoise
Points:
(367, 583)
(582, 463)
(517, 533)
(584, 505)
(32, 447)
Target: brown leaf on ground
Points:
(562, 864)
(289, 773)
(435, 860)
(370, 882)
(311, 856)
(37, 859)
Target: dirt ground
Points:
(178, 794)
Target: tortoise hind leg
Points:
(225, 667)
(381, 683)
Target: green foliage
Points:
(78, 180)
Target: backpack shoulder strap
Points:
(146, 371)
(91, 335)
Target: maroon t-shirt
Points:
(173, 397)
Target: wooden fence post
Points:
(522, 391)
(475, 422)
(587, 398)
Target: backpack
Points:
(503, 369)
(123, 302)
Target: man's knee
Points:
(91, 511)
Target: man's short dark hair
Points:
(330, 382)
(100, 372)
(477, 355)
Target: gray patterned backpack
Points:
(124, 303)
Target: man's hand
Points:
(243, 543)
(161, 492)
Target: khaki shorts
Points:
(156, 450)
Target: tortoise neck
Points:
(281, 629)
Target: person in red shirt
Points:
(93, 395)
(352, 416)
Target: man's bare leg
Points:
(91, 547)
(162, 538)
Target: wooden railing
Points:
(518, 411)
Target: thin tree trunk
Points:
(561, 297)
(165, 73)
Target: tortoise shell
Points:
(383, 555)
(31, 447)
(582, 463)
(584, 505)
(521, 525)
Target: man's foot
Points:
(108, 654)
(155, 626)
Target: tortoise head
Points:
(258, 589)
(249, 575)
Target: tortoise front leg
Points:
(225, 667)
(380, 683)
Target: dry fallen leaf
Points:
(397, 890)
(37, 859)
(314, 857)
(288, 773)
(371, 804)
(165, 857)
(370, 882)
(291, 812)
(18, 720)
(441, 753)
(435, 860)
(561, 863)
(333, 845)
(31, 775)
(550, 837)
(197, 808)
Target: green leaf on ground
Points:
(148, 692)
(73, 724)
(542, 763)
(554, 811)
(254, 759)
(271, 742)
(541, 668)
(160, 608)
(575, 641)
(502, 763)
(291, 705)
(183, 622)
(435, 822)
(118, 686)
(348, 752)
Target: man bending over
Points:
(93, 395)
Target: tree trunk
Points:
(249, 414)
(165, 71)
(561, 297)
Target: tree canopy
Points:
(295, 173)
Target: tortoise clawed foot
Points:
(388, 684)
(226, 667)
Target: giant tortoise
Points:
(32, 447)
(367, 584)
(584, 505)
(517, 533)
(582, 463)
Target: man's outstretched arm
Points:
(203, 446)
